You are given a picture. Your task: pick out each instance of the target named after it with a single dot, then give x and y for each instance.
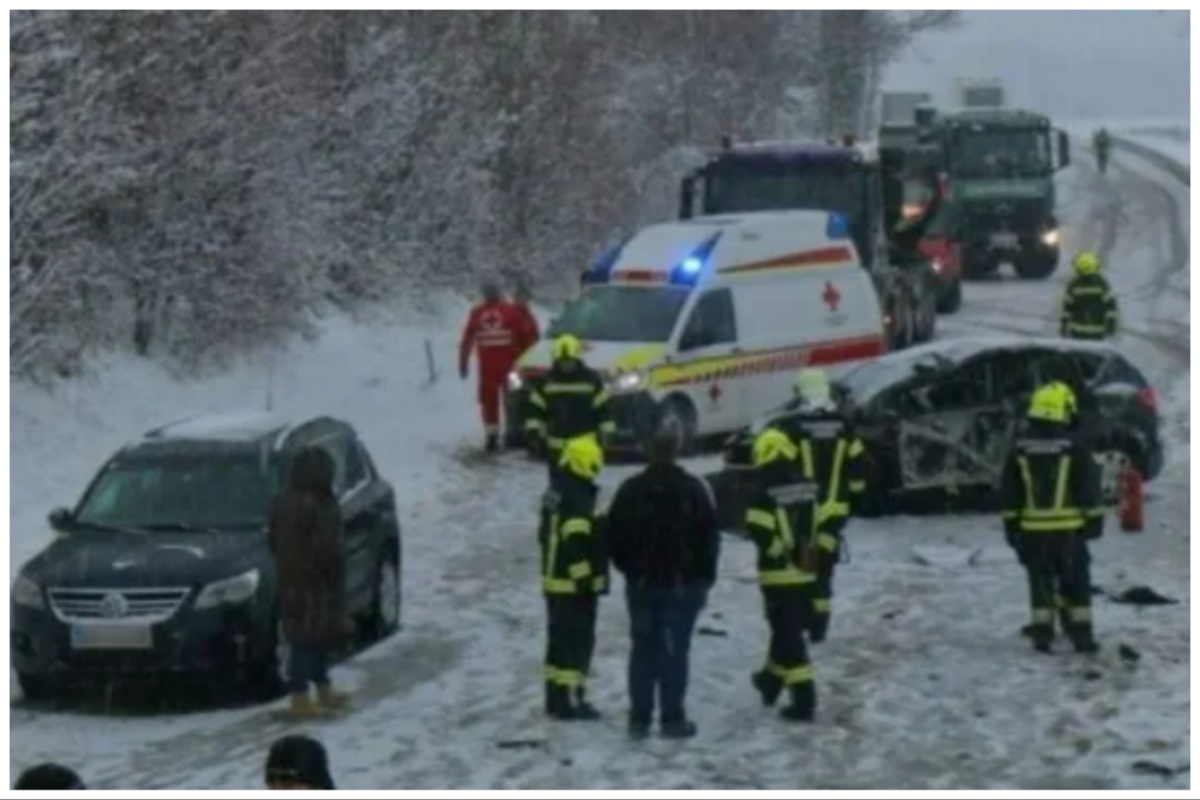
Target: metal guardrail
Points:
(1181, 172)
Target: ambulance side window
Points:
(712, 322)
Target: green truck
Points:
(1000, 163)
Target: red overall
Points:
(499, 335)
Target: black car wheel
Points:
(384, 617)
(36, 688)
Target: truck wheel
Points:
(1036, 267)
(677, 414)
(979, 266)
(951, 301)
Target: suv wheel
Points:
(384, 617)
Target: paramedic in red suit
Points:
(494, 329)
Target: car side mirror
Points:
(60, 519)
(1064, 150)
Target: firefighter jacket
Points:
(567, 402)
(573, 541)
(829, 451)
(1089, 309)
(1051, 486)
(781, 519)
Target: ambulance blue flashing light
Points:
(837, 227)
(601, 269)
(688, 271)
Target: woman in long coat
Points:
(306, 536)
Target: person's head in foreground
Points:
(298, 762)
(48, 778)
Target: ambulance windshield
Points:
(622, 313)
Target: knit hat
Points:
(299, 759)
(48, 777)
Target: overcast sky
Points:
(1076, 64)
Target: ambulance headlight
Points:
(1051, 238)
(514, 381)
(628, 382)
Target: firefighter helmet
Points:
(1053, 402)
(813, 388)
(566, 346)
(1086, 263)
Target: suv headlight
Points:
(26, 592)
(514, 381)
(230, 591)
(628, 382)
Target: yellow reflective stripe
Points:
(763, 519)
(533, 424)
(789, 576)
(785, 531)
(1086, 291)
(822, 605)
(580, 570)
(608, 426)
(536, 398)
(792, 676)
(601, 398)
(1010, 514)
(1053, 513)
(551, 549)
(1093, 512)
(1086, 327)
(856, 486)
(569, 678)
(827, 541)
(835, 479)
(1042, 616)
(599, 583)
(581, 387)
(1027, 480)
(1051, 526)
(832, 510)
(576, 525)
(1060, 486)
(806, 459)
(559, 586)
(556, 442)
(1080, 614)
(856, 448)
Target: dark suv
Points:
(163, 566)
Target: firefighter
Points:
(574, 575)
(1052, 509)
(1089, 309)
(1101, 144)
(829, 451)
(781, 520)
(494, 329)
(569, 401)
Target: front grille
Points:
(1004, 215)
(142, 605)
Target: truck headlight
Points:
(1051, 237)
(26, 592)
(628, 382)
(230, 591)
(514, 381)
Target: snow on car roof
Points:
(244, 426)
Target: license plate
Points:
(1004, 240)
(111, 637)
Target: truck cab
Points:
(847, 178)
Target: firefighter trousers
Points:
(1058, 570)
(788, 609)
(570, 641)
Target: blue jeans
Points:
(307, 665)
(661, 623)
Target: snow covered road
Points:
(923, 684)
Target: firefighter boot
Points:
(583, 710)
(803, 707)
(558, 701)
(1042, 636)
(769, 687)
(329, 699)
(302, 707)
(1082, 638)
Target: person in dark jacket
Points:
(1051, 510)
(574, 558)
(306, 537)
(663, 532)
(48, 778)
(298, 763)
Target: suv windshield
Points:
(731, 189)
(622, 313)
(1001, 153)
(182, 491)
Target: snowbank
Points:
(1174, 147)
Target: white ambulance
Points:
(705, 322)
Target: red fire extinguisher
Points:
(1129, 504)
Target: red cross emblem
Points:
(831, 296)
(491, 320)
(714, 392)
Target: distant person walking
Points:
(306, 536)
(665, 540)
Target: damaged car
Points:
(938, 420)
